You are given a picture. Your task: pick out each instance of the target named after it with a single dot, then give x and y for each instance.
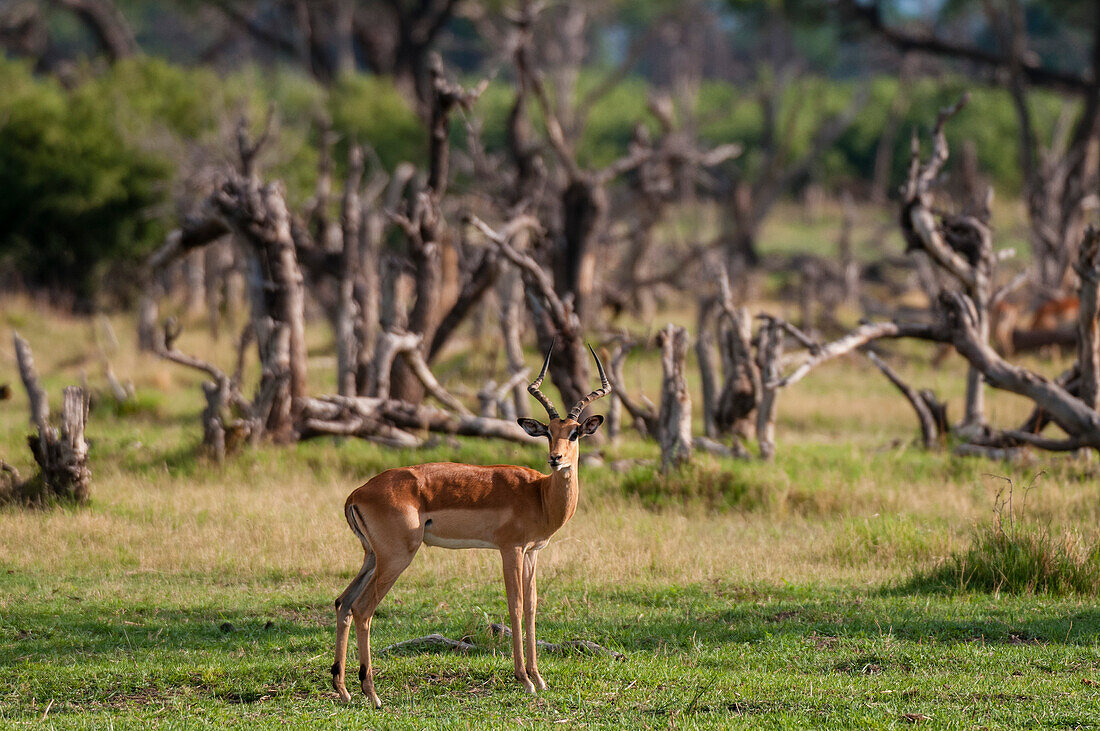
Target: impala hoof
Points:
(372, 697)
(537, 680)
(528, 686)
(338, 683)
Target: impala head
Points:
(565, 434)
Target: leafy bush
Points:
(88, 173)
(370, 109)
(76, 192)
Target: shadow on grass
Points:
(679, 621)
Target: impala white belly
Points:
(453, 528)
(431, 540)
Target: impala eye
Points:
(573, 435)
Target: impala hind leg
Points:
(343, 622)
(389, 567)
(513, 589)
(530, 604)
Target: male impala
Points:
(512, 509)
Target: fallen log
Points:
(387, 419)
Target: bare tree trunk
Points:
(741, 251)
(194, 277)
(584, 208)
(424, 226)
(510, 295)
(769, 353)
(703, 353)
(674, 431)
(1088, 319)
(351, 219)
(742, 392)
(849, 267)
(260, 219)
(147, 317)
(368, 301)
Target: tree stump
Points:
(61, 452)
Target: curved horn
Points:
(603, 390)
(533, 387)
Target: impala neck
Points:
(560, 492)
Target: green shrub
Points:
(76, 192)
(371, 110)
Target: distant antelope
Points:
(514, 510)
(1055, 312)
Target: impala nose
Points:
(555, 458)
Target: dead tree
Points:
(369, 287)
(675, 165)
(424, 225)
(1060, 181)
(751, 198)
(60, 452)
(1088, 319)
(351, 217)
(704, 352)
(555, 318)
(729, 402)
(258, 216)
(960, 245)
(229, 420)
(769, 351)
(674, 425)
(581, 198)
(958, 323)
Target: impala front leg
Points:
(513, 588)
(530, 604)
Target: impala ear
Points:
(534, 427)
(590, 425)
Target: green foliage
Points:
(90, 174)
(76, 192)
(369, 109)
(609, 124)
(989, 122)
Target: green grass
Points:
(145, 650)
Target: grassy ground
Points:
(741, 594)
